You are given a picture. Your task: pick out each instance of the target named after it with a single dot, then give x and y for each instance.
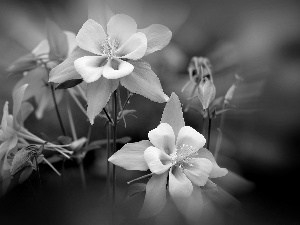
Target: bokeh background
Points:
(258, 39)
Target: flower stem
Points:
(219, 141)
(209, 128)
(115, 115)
(57, 111)
(82, 174)
(38, 172)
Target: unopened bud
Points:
(206, 92)
(231, 90)
(23, 64)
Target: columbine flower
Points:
(200, 74)
(175, 151)
(108, 57)
(49, 53)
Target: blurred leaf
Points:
(57, 41)
(65, 140)
(135, 189)
(68, 84)
(25, 174)
(97, 144)
(25, 63)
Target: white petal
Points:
(198, 173)
(158, 36)
(157, 160)
(98, 94)
(131, 156)
(173, 114)
(134, 48)
(121, 27)
(163, 138)
(192, 206)
(100, 12)
(66, 71)
(91, 36)
(90, 67)
(216, 170)
(117, 68)
(72, 44)
(179, 185)
(144, 81)
(42, 48)
(155, 199)
(189, 136)
(17, 101)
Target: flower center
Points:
(183, 155)
(109, 47)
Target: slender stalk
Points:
(115, 115)
(108, 154)
(209, 128)
(71, 120)
(38, 172)
(82, 174)
(219, 141)
(57, 111)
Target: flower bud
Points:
(206, 91)
(231, 90)
(198, 68)
(23, 64)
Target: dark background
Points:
(259, 40)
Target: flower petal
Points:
(17, 101)
(145, 82)
(91, 36)
(158, 36)
(216, 170)
(121, 27)
(98, 94)
(100, 12)
(66, 71)
(163, 138)
(155, 199)
(134, 48)
(131, 156)
(179, 185)
(157, 160)
(72, 44)
(192, 206)
(42, 48)
(117, 68)
(4, 121)
(173, 114)
(90, 67)
(57, 41)
(189, 136)
(198, 173)
(26, 110)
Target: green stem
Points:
(82, 174)
(115, 115)
(38, 172)
(57, 111)
(219, 141)
(209, 129)
(108, 154)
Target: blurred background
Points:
(258, 39)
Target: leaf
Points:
(68, 84)
(57, 41)
(25, 63)
(97, 144)
(135, 189)
(65, 140)
(25, 174)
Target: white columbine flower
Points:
(175, 155)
